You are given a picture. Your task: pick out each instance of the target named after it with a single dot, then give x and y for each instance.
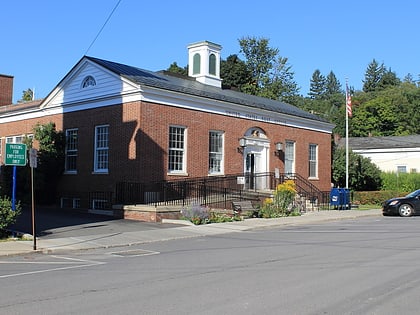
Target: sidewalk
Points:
(189, 230)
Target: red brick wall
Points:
(139, 140)
(6, 90)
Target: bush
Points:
(282, 202)
(196, 213)
(375, 197)
(7, 215)
(402, 182)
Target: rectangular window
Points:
(176, 152)
(101, 149)
(71, 150)
(289, 157)
(215, 152)
(313, 160)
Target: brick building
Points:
(125, 124)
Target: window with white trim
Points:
(101, 149)
(289, 157)
(176, 152)
(215, 152)
(71, 150)
(313, 160)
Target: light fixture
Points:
(242, 145)
(279, 148)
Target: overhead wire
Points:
(103, 26)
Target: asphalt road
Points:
(58, 223)
(362, 266)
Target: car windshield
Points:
(413, 194)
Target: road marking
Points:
(72, 262)
(134, 253)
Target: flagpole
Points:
(347, 146)
(348, 112)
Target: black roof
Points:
(365, 143)
(190, 86)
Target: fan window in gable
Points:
(88, 81)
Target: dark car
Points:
(403, 206)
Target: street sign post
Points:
(15, 154)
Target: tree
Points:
(363, 174)
(318, 86)
(373, 76)
(234, 73)
(271, 74)
(50, 161)
(27, 95)
(333, 86)
(388, 79)
(174, 68)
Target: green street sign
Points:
(15, 154)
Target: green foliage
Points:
(402, 182)
(174, 68)
(282, 202)
(7, 215)
(27, 95)
(373, 75)
(363, 174)
(234, 72)
(374, 197)
(196, 213)
(50, 161)
(272, 76)
(199, 214)
(318, 86)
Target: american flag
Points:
(348, 101)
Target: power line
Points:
(97, 35)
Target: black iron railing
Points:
(215, 191)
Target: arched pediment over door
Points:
(256, 158)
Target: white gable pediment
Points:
(87, 84)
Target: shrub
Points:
(196, 213)
(7, 215)
(282, 202)
(375, 197)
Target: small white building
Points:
(391, 154)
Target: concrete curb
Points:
(188, 230)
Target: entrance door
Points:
(250, 170)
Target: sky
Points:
(41, 40)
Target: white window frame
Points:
(71, 151)
(289, 157)
(313, 160)
(177, 154)
(101, 158)
(216, 152)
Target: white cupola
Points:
(204, 63)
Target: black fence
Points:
(217, 191)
